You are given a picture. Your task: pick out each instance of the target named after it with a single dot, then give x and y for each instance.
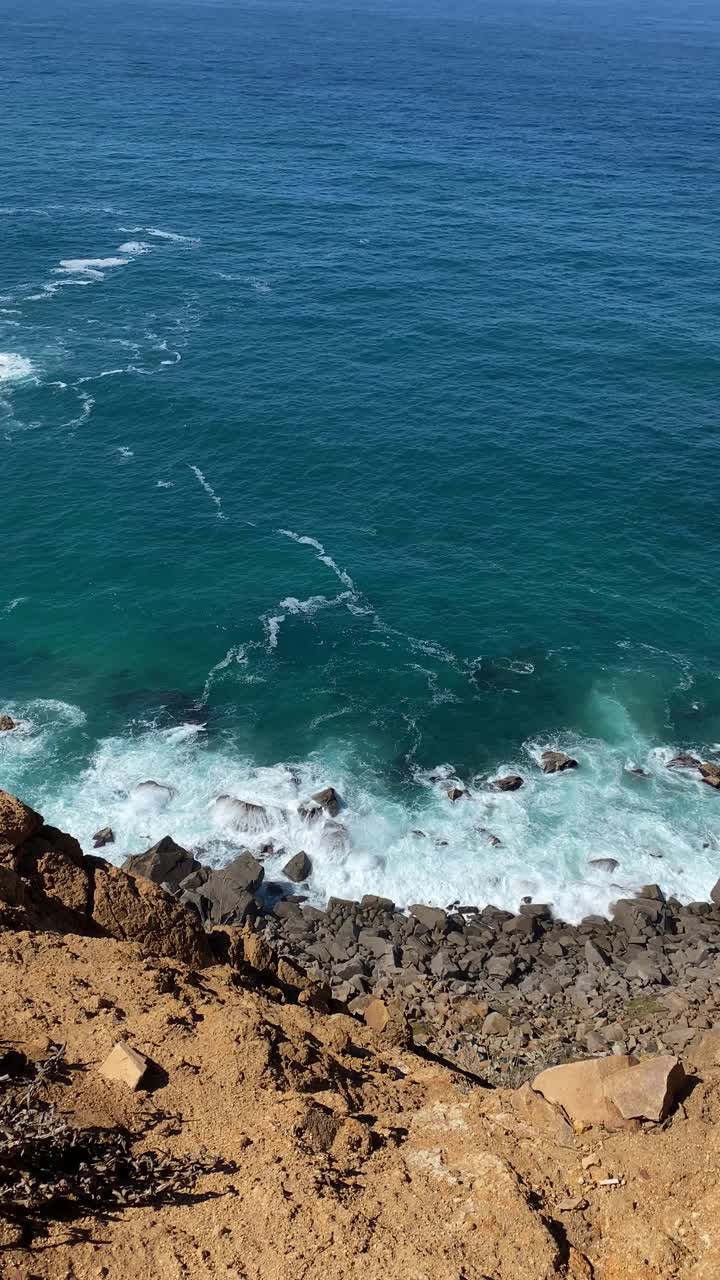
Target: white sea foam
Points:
(13, 604)
(124, 451)
(92, 268)
(550, 830)
(87, 404)
(164, 484)
(14, 367)
(305, 540)
(172, 236)
(212, 495)
(134, 248)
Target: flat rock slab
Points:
(580, 1089)
(124, 1065)
(647, 1091)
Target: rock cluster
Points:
(46, 882)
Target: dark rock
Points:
(164, 863)
(6, 724)
(298, 868)
(371, 902)
(431, 917)
(636, 771)
(557, 762)
(227, 889)
(715, 894)
(102, 837)
(651, 892)
(540, 910)
(454, 792)
(512, 782)
(683, 761)
(329, 800)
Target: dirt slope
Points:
(354, 1159)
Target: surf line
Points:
(209, 491)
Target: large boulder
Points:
(165, 863)
(17, 822)
(228, 890)
(298, 868)
(647, 1091)
(557, 762)
(580, 1089)
(715, 894)
(7, 724)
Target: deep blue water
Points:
(359, 412)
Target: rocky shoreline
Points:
(495, 993)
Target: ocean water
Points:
(359, 379)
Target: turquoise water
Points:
(358, 416)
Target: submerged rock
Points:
(335, 837)
(154, 794)
(604, 864)
(683, 761)
(557, 762)
(242, 815)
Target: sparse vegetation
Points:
(50, 1170)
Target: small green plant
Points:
(642, 1007)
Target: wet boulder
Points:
(104, 836)
(7, 724)
(604, 864)
(512, 782)
(329, 800)
(298, 868)
(557, 762)
(683, 761)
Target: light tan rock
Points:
(543, 1116)
(646, 1092)
(376, 1015)
(580, 1089)
(124, 1065)
(703, 1051)
(17, 822)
